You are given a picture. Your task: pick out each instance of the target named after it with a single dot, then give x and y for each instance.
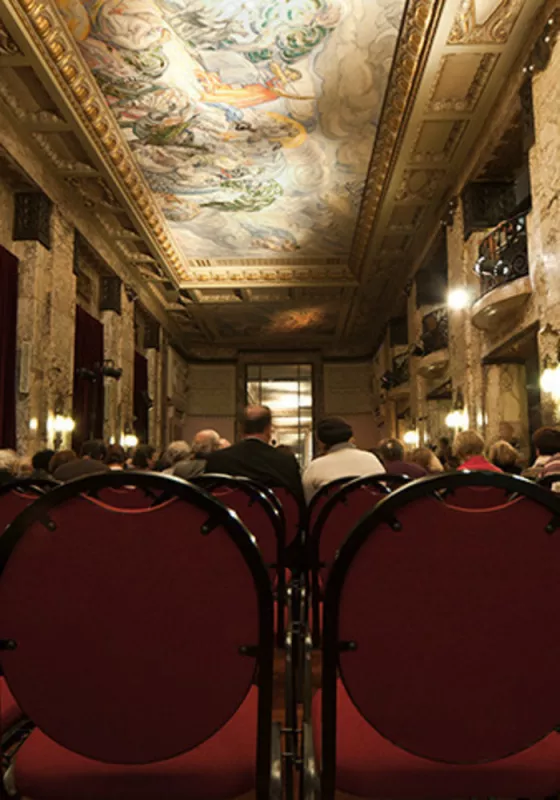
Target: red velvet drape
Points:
(141, 396)
(88, 399)
(8, 337)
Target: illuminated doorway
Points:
(287, 389)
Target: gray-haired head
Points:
(205, 442)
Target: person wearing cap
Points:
(341, 458)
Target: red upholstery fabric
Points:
(11, 504)
(254, 517)
(292, 513)
(370, 766)
(171, 595)
(457, 650)
(224, 766)
(10, 712)
(320, 498)
(125, 497)
(343, 517)
(478, 497)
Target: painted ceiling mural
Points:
(253, 120)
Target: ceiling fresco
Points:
(252, 120)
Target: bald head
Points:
(205, 442)
(257, 421)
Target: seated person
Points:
(392, 452)
(205, 442)
(469, 448)
(341, 458)
(546, 442)
(253, 457)
(503, 455)
(427, 459)
(92, 456)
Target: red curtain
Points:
(141, 397)
(8, 338)
(88, 401)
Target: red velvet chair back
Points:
(148, 626)
(340, 513)
(257, 508)
(17, 495)
(442, 624)
(477, 497)
(319, 500)
(127, 497)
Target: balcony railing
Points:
(435, 331)
(502, 255)
(400, 371)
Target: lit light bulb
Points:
(412, 438)
(550, 381)
(458, 299)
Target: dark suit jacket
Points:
(79, 468)
(253, 458)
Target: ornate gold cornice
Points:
(415, 37)
(42, 26)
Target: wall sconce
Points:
(458, 299)
(412, 438)
(550, 378)
(59, 424)
(458, 419)
(128, 440)
(108, 369)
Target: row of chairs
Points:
(442, 580)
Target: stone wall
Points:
(348, 392)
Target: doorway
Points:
(287, 389)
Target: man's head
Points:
(468, 444)
(42, 459)
(391, 450)
(144, 457)
(205, 442)
(115, 455)
(332, 431)
(94, 449)
(176, 452)
(547, 441)
(257, 422)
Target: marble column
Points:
(506, 403)
(118, 338)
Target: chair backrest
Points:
(320, 498)
(476, 496)
(16, 495)
(136, 616)
(258, 509)
(341, 512)
(127, 497)
(294, 513)
(439, 621)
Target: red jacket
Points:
(479, 462)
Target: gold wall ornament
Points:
(494, 30)
(414, 41)
(44, 27)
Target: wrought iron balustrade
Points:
(502, 255)
(435, 331)
(400, 371)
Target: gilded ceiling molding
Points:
(495, 30)
(7, 45)
(420, 22)
(47, 31)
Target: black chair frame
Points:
(386, 512)
(273, 509)
(268, 756)
(379, 481)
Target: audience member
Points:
(503, 455)
(9, 465)
(60, 458)
(144, 458)
(116, 457)
(427, 459)
(25, 467)
(254, 458)
(204, 443)
(91, 461)
(341, 458)
(469, 449)
(392, 454)
(175, 453)
(444, 452)
(285, 448)
(546, 442)
(40, 463)
(224, 443)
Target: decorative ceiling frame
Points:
(39, 31)
(432, 118)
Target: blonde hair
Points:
(427, 459)
(9, 462)
(503, 454)
(468, 443)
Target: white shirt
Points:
(341, 461)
